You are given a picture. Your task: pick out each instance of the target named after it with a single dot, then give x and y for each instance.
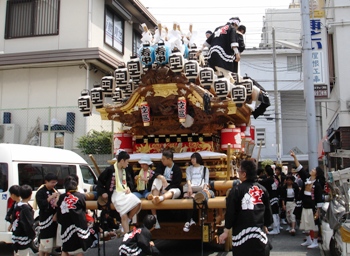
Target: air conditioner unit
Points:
(10, 133)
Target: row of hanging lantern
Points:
(121, 86)
(160, 54)
(127, 78)
(95, 97)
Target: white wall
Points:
(47, 93)
(73, 24)
(258, 64)
(41, 87)
(97, 23)
(294, 124)
(287, 24)
(342, 55)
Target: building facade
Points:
(290, 115)
(286, 22)
(330, 27)
(336, 111)
(52, 50)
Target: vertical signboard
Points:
(319, 49)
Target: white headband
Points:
(234, 22)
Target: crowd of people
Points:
(266, 197)
(255, 206)
(157, 185)
(62, 218)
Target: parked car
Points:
(24, 164)
(335, 214)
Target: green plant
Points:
(95, 142)
(266, 162)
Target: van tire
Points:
(35, 244)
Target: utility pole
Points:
(309, 94)
(277, 119)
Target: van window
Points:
(3, 177)
(88, 175)
(33, 174)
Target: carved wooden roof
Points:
(161, 89)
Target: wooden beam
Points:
(223, 184)
(179, 204)
(228, 161)
(176, 204)
(258, 157)
(95, 164)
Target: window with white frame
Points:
(29, 18)
(260, 137)
(294, 63)
(114, 30)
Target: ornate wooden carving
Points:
(161, 88)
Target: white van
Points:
(23, 164)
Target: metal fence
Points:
(59, 127)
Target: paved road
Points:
(283, 244)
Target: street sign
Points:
(321, 91)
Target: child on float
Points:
(167, 180)
(197, 182)
(124, 201)
(144, 178)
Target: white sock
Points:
(155, 216)
(161, 198)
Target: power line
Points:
(266, 69)
(221, 14)
(224, 22)
(212, 7)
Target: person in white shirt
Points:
(197, 180)
(166, 183)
